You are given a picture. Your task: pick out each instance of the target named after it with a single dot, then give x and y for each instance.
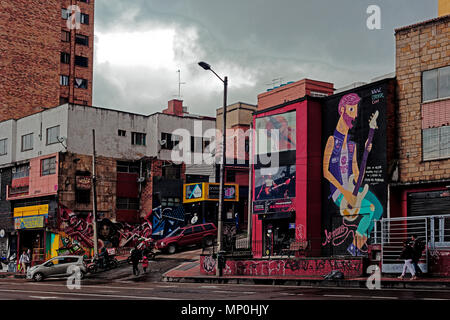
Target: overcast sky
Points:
(141, 44)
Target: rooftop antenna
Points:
(179, 83)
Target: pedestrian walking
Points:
(145, 263)
(418, 247)
(407, 255)
(135, 258)
(28, 265)
(24, 260)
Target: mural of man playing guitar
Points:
(340, 168)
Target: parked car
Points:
(61, 266)
(186, 236)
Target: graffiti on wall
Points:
(284, 267)
(78, 228)
(354, 167)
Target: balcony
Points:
(19, 187)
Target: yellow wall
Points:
(444, 8)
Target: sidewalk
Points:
(190, 272)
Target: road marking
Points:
(166, 286)
(92, 286)
(338, 295)
(433, 299)
(42, 297)
(222, 291)
(208, 287)
(109, 291)
(248, 292)
(287, 294)
(378, 297)
(89, 294)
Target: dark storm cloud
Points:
(321, 39)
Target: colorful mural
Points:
(283, 140)
(354, 168)
(77, 230)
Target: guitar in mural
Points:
(340, 168)
(351, 212)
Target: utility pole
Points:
(94, 192)
(250, 187)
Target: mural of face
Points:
(350, 114)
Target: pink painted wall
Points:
(308, 175)
(284, 267)
(40, 185)
(436, 114)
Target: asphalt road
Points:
(120, 284)
(91, 289)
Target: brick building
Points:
(44, 63)
(423, 121)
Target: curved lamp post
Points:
(206, 66)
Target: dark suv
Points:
(186, 236)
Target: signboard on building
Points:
(83, 183)
(29, 222)
(30, 217)
(194, 192)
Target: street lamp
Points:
(206, 66)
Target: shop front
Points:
(30, 222)
(201, 202)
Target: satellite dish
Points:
(162, 142)
(194, 219)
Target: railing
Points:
(392, 233)
(244, 247)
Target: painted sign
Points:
(29, 222)
(355, 166)
(31, 211)
(194, 192)
(275, 133)
(83, 183)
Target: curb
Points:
(312, 282)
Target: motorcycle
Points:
(147, 248)
(94, 265)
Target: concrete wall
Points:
(82, 119)
(37, 124)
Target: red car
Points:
(186, 236)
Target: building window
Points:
(192, 144)
(171, 171)
(122, 133)
(65, 14)
(170, 202)
(48, 166)
(83, 40)
(81, 61)
(170, 141)
(22, 171)
(138, 138)
(65, 36)
(84, 18)
(52, 135)
(85, 1)
(3, 147)
(65, 57)
(63, 80)
(436, 143)
(81, 83)
(436, 84)
(83, 196)
(127, 203)
(205, 144)
(127, 167)
(27, 142)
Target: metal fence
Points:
(392, 233)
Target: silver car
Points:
(61, 266)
